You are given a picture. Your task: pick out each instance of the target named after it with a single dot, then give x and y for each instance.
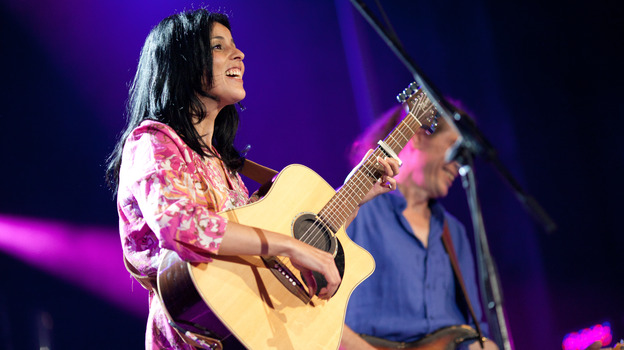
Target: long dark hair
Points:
(170, 75)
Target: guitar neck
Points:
(338, 209)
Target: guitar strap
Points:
(450, 249)
(148, 282)
(198, 341)
(255, 172)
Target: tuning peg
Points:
(433, 124)
(409, 91)
(401, 97)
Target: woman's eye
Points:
(217, 47)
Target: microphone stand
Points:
(491, 290)
(471, 143)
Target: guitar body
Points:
(242, 296)
(447, 338)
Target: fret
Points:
(421, 114)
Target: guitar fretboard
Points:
(344, 202)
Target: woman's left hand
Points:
(387, 183)
(389, 168)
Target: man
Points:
(412, 292)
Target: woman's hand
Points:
(306, 259)
(390, 168)
(246, 240)
(387, 183)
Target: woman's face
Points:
(227, 67)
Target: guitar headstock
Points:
(418, 105)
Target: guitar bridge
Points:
(287, 278)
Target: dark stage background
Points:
(543, 79)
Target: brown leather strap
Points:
(450, 249)
(148, 282)
(196, 340)
(257, 172)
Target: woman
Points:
(175, 166)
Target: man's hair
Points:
(379, 130)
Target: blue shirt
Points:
(412, 291)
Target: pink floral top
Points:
(167, 199)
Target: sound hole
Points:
(309, 229)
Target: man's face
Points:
(425, 165)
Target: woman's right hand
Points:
(245, 240)
(306, 259)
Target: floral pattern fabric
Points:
(168, 198)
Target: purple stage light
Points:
(89, 257)
(585, 337)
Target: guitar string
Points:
(398, 130)
(345, 190)
(347, 193)
(288, 264)
(362, 172)
(365, 168)
(412, 108)
(332, 204)
(329, 208)
(336, 202)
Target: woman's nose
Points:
(238, 54)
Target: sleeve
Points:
(467, 266)
(164, 189)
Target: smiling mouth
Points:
(234, 73)
(450, 175)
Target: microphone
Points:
(471, 142)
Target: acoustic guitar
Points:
(450, 338)
(263, 301)
(447, 338)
